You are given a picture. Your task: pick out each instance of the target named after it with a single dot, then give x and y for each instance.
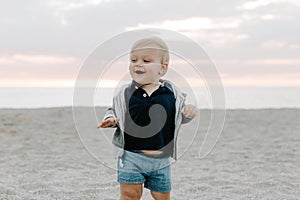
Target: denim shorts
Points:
(155, 173)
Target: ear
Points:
(164, 69)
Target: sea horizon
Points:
(235, 98)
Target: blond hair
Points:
(154, 43)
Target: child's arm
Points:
(108, 122)
(188, 112)
(109, 119)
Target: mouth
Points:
(139, 72)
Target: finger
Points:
(100, 125)
(190, 114)
(183, 111)
(108, 123)
(104, 124)
(113, 121)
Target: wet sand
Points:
(43, 157)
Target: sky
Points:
(252, 42)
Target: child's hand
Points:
(189, 111)
(111, 121)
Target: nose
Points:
(139, 64)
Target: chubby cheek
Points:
(130, 67)
(131, 70)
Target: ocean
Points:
(235, 97)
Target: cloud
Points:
(50, 39)
(23, 82)
(62, 7)
(275, 61)
(251, 5)
(280, 44)
(65, 5)
(193, 24)
(215, 31)
(269, 80)
(35, 59)
(72, 24)
(33, 68)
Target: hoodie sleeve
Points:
(184, 119)
(110, 112)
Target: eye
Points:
(133, 60)
(147, 61)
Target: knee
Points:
(160, 196)
(130, 194)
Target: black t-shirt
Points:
(138, 105)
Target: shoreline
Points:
(105, 107)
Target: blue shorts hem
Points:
(157, 189)
(137, 181)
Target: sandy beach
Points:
(43, 157)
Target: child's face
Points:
(145, 66)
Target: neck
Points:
(151, 87)
(153, 84)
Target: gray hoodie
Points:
(118, 110)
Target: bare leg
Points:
(131, 191)
(160, 195)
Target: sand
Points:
(43, 157)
